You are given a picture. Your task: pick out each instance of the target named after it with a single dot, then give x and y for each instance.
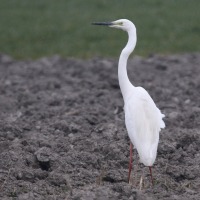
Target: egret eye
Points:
(120, 23)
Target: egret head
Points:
(123, 24)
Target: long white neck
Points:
(124, 83)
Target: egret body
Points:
(142, 117)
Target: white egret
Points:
(142, 117)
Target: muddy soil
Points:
(62, 132)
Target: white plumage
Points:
(142, 117)
(143, 123)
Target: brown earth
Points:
(62, 133)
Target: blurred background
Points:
(33, 29)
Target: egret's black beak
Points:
(103, 23)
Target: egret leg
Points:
(130, 162)
(150, 170)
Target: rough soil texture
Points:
(62, 133)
